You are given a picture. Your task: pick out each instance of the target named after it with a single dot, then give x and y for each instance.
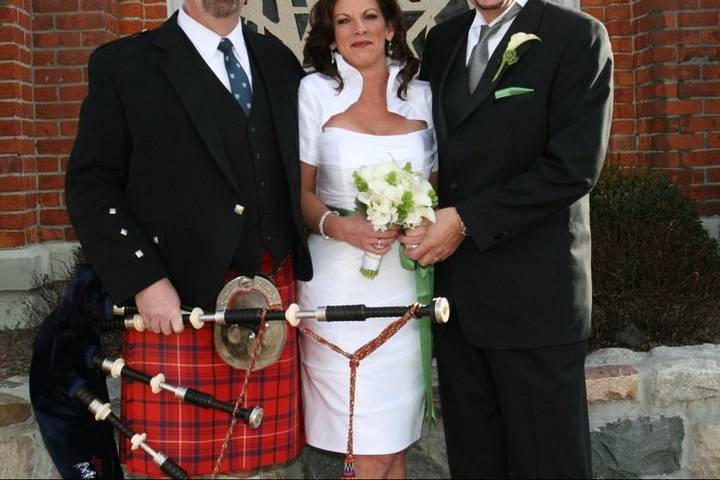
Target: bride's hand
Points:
(358, 232)
(411, 238)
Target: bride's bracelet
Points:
(321, 223)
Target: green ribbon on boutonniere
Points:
(510, 55)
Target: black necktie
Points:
(239, 82)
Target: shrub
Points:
(655, 268)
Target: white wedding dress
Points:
(389, 392)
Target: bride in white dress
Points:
(361, 107)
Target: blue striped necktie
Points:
(239, 82)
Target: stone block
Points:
(684, 380)
(13, 410)
(705, 461)
(636, 448)
(611, 383)
(614, 356)
(16, 453)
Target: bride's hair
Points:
(322, 35)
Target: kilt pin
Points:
(193, 436)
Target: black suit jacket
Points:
(519, 170)
(148, 150)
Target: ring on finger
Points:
(437, 259)
(379, 244)
(412, 246)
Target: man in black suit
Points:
(521, 144)
(186, 167)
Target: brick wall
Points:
(667, 96)
(44, 47)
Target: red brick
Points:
(42, 22)
(54, 146)
(622, 143)
(703, 192)
(56, 39)
(686, 176)
(51, 6)
(54, 217)
(10, 128)
(658, 125)
(155, 11)
(671, 107)
(16, 221)
(70, 235)
(73, 57)
(707, 157)
(93, 39)
(699, 89)
(677, 142)
(711, 72)
(130, 10)
(49, 199)
(696, 123)
(660, 159)
(85, 21)
(685, 54)
(16, 145)
(10, 164)
(51, 182)
(713, 141)
(711, 106)
(45, 94)
(697, 19)
(47, 164)
(47, 234)
(16, 183)
(69, 129)
(12, 239)
(713, 175)
(73, 93)
(57, 110)
(58, 75)
(14, 202)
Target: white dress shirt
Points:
(206, 42)
(494, 40)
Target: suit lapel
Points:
(180, 67)
(527, 21)
(456, 44)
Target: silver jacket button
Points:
(239, 209)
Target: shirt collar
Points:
(480, 20)
(352, 78)
(205, 40)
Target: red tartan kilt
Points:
(192, 435)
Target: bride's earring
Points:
(389, 50)
(332, 56)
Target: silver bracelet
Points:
(321, 223)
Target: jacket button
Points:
(454, 186)
(252, 129)
(239, 209)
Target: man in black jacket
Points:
(522, 103)
(186, 168)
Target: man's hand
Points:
(159, 305)
(441, 240)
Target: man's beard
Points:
(493, 5)
(221, 8)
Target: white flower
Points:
(519, 38)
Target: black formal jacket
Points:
(149, 187)
(519, 169)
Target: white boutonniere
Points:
(510, 55)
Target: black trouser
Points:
(513, 413)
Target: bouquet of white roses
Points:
(392, 195)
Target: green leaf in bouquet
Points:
(360, 183)
(433, 197)
(392, 178)
(407, 205)
(408, 167)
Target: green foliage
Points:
(360, 182)
(407, 205)
(654, 265)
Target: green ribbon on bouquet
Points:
(424, 291)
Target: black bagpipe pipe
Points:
(116, 368)
(128, 317)
(103, 413)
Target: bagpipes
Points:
(69, 367)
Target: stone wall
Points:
(655, 413)
(652, 415)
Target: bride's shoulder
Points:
(315, 83)
(420, 95)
